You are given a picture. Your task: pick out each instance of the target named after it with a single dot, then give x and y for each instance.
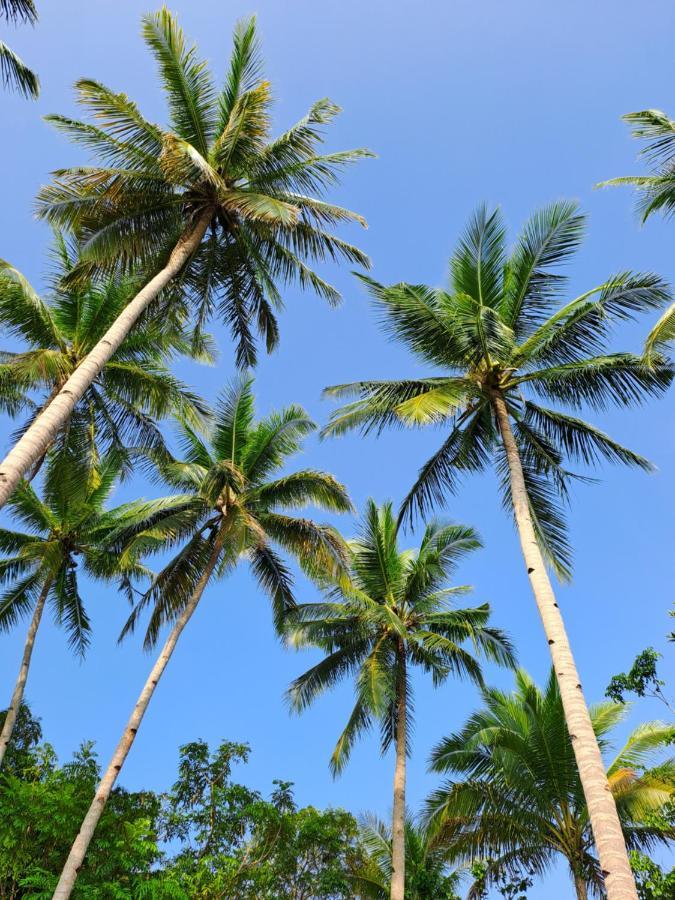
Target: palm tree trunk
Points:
(81, 844)
(398, 817)
(580, 886)
(20, 686)
(604, 818)
(28, 450)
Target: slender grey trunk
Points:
(602, 812)
(398, 816)
(20, 686)
(81, 844)
(34, 443)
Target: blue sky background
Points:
(516, 104)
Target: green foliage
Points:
(427, 875)
(41, 807)
(67, 526)
(651, 881)
(656, 194)
(232, 491)
(268, 219)
(120, 409)
(392, 612)
(207, 838)
(642, 679)
(13, 71)
(237, 844)
(502, 330)
(515, 802)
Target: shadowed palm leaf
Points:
(13, 71)
(520, 804)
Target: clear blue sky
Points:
(513, 103)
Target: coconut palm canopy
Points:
(215, 161)
(233, 489)
(65, 528)
(501, 329)
(428, 876)
(136, 389)
(514, 797)
(394, 612)
(13, 70)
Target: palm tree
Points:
(15, 73)
(212, 198)
(232, 508)
(118, 410)
(390, 615)
(520, 803)
(504, 341)
(656, 192)
(39, 567)
(427, 876)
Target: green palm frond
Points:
(514, 796)
(550, 237)
(387, 614)
(270, 221)
(502, 334)
(16, 74)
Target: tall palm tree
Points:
(212, 198)
(232, 508)
(40, 566)
(15, 73)
(518, 801)
(390, 615)
(119, 408)
(505, 341)
(427, 875)
(656, 194)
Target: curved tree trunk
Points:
(609, 840)
(20, 686)
(34, 443)
(81, 844)
(398, 817)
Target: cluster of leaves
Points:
(651, 881)
(642, 679)
(208, 837)
(41, 807)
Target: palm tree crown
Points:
(13, 71)
(520, 802)
(501, 335)
(235, 500)
(135, 389)
(68, 526)
(392, 612)
(428, 876)
(258, 198)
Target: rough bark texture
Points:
(79, 849)
(609, 840)
(20, 686)
(398, 817)
(34, 443)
